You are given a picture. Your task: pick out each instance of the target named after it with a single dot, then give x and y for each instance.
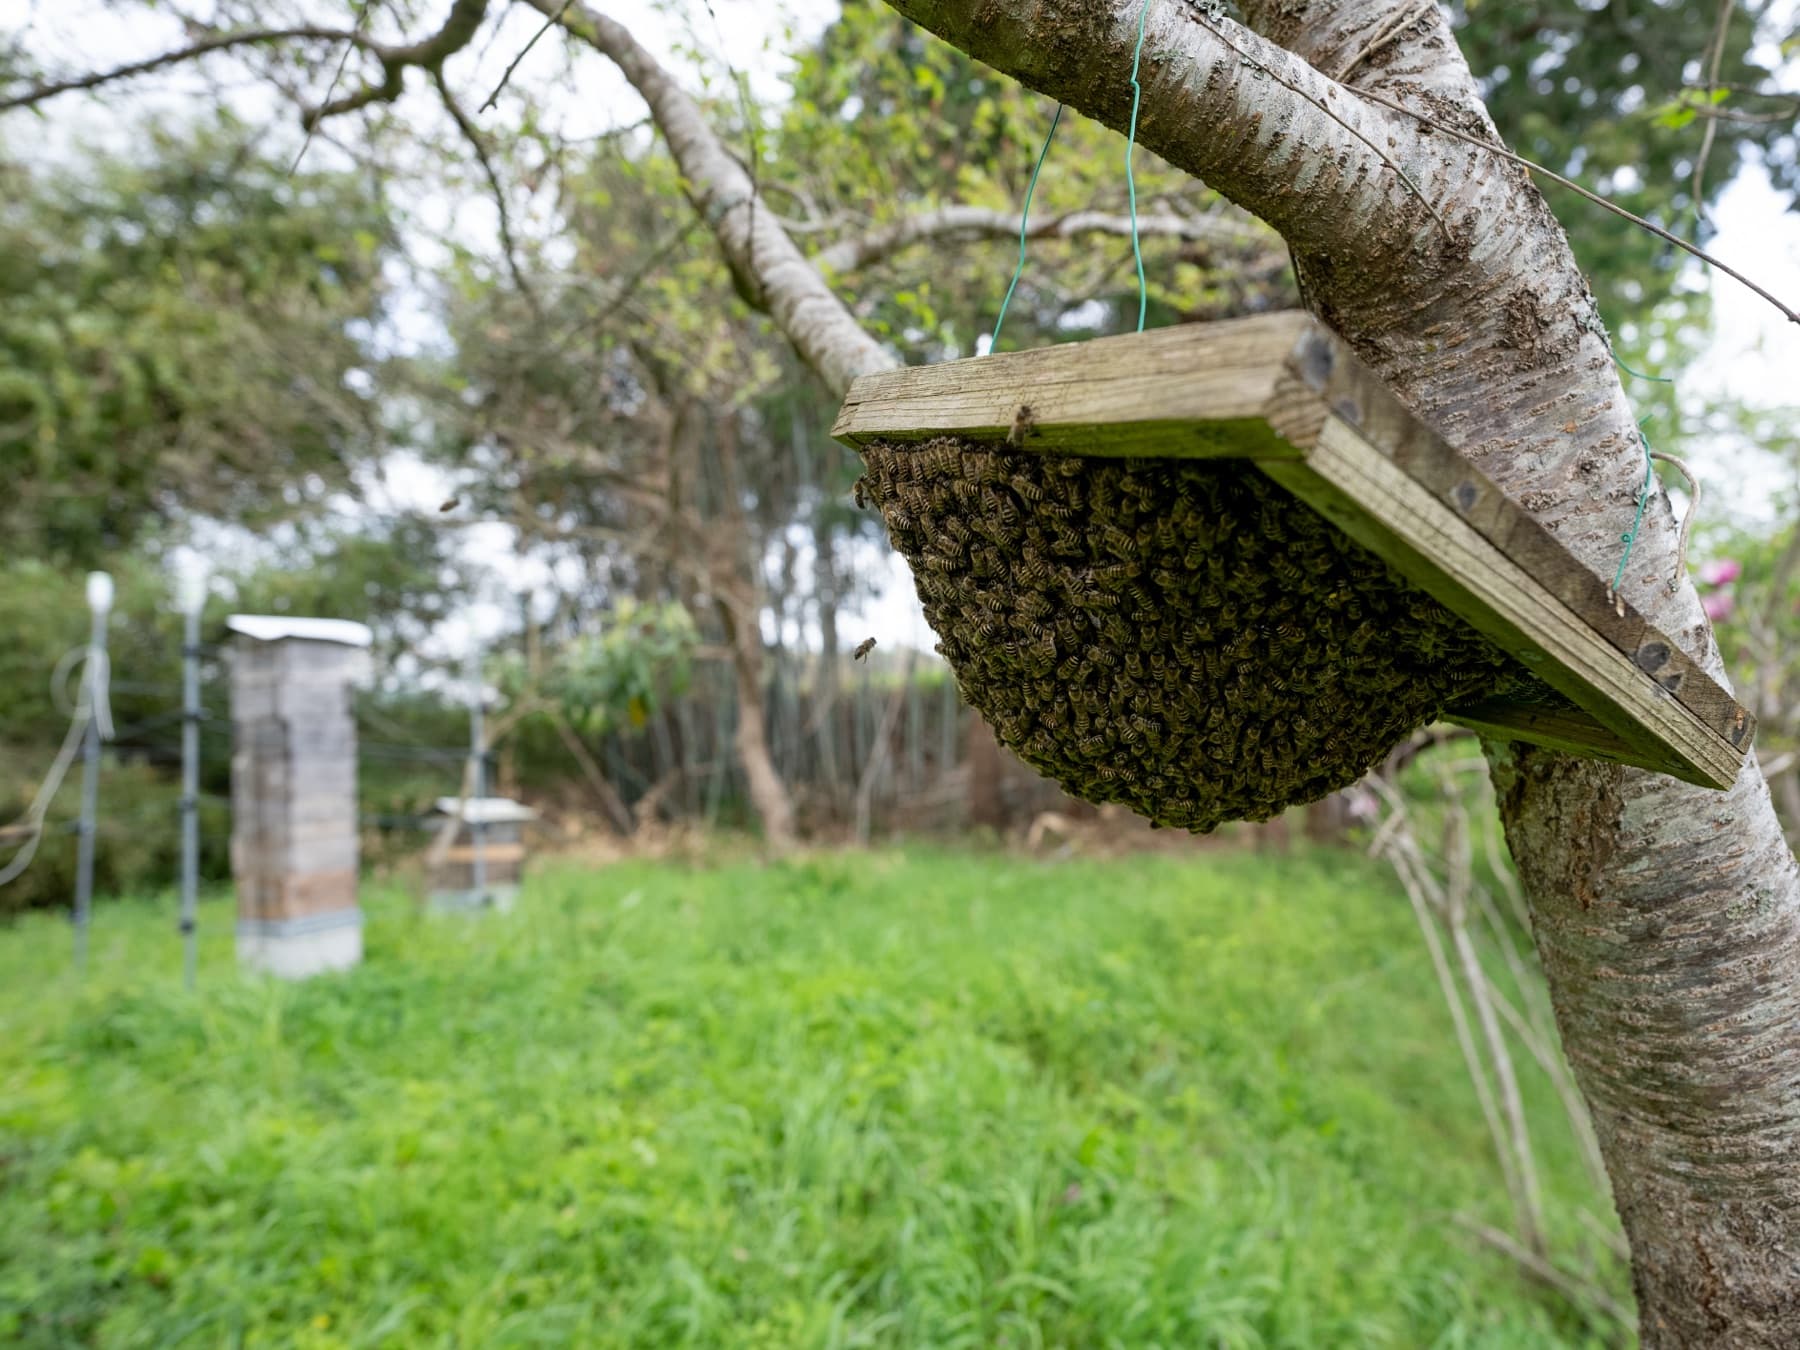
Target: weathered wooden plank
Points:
(1352, 394)
(1372, 499)
(1198, 390)
(491, 853)
(294, 895)
(1555, 726)
(460, 876)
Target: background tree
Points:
(182, 334)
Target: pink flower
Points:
(1720, 571)
(1718, 607)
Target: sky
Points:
(1753, 356)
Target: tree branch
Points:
(478, 143)
(1714, 56)
(1281, 140)
(429, 53)
(823, 331)
(259, 37)
(849, 255)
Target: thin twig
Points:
(472, 134)
(312, 123)
(1687, 520)
(1715, 54)
(524, 51)
(458, 30)
(218, 42)
(1501, 867)
(1406, 19)
(1577, 1291)
(1780, 764)
(1574, 1107)
(1459, 865)
(1402, 853)
(1614, 1243)
(1494, 147)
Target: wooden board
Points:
(1141, 394)
(1283, 392)
(492, 853)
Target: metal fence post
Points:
(100, 599)
(478, 780)
(193, 600)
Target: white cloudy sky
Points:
(1753, 356)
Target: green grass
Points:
(902, 1100)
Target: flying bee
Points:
(863, 648)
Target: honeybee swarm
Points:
(1181, 637)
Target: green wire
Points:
(1137, 249)
(1024, 227)
(1629, 539)
(1657, 379)
(1137, 92)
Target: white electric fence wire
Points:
(92, 702)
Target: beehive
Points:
(1213, 571)
(482, 860)
(293, 792)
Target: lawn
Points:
(898, 1099)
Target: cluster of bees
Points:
(1182, 637)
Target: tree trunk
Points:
(982, 753)
(1328, 819)
(719, 549)
(768, 794)
(827, 689)
(732, 576)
